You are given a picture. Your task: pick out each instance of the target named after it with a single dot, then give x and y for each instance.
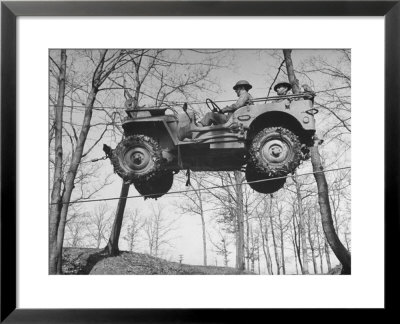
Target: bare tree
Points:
(57, 194)
(134, 225)
(327, 255)
(240, 220)
(98, 224)
(302, 228)
(75, 234)
(338, 197)
(283, 226)
(195, 205)
(230, 199)
(296, 241)
(274, 241)
(104, 65)
(254, 248)
(310, 237)
(323, 193)
(222, 247)
(263, 225)
(327, 222)
(320, 240)
(157, 230)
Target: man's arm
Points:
(239, 103)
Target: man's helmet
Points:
(283, 84)
(243, 83)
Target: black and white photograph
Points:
(199, 161)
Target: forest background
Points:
(283, 232)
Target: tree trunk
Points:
(346, 241)
(321, 264)
(98, 241)
(112, 245)
(157, 236)
(327, 256)
(56, 197)
(287, 53)
(326, 217)
(334, 216)
(240, 263)
(267, 253)
(302, 229)
(225, 252)
(131, 244)
(203, 223)
(295, 259)
(323, 194)
(203, 227)
(282, 245)
(274, 241)
(71, 174)
(247, 239)
(320, 252)
(264, 238)
(310, 240)
(226, 261)
(296, 242)
(252, 256)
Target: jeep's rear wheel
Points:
(268, 186)
(275, 151)
(137, 157)
(156, 186)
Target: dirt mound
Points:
(95, 262)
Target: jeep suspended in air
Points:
(267, 140)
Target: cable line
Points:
(192, 190)
(177, 103)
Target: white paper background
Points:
(364, 288)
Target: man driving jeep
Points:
(241, 88)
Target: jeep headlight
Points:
(306, 120)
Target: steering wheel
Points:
(213, 106)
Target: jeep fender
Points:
(293, 116)
(162, 128)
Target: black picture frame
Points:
(9, 13)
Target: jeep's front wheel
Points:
(137, 157)
(275, 151)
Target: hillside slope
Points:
(94, 262)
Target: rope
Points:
(90, 161)
(200, 189)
